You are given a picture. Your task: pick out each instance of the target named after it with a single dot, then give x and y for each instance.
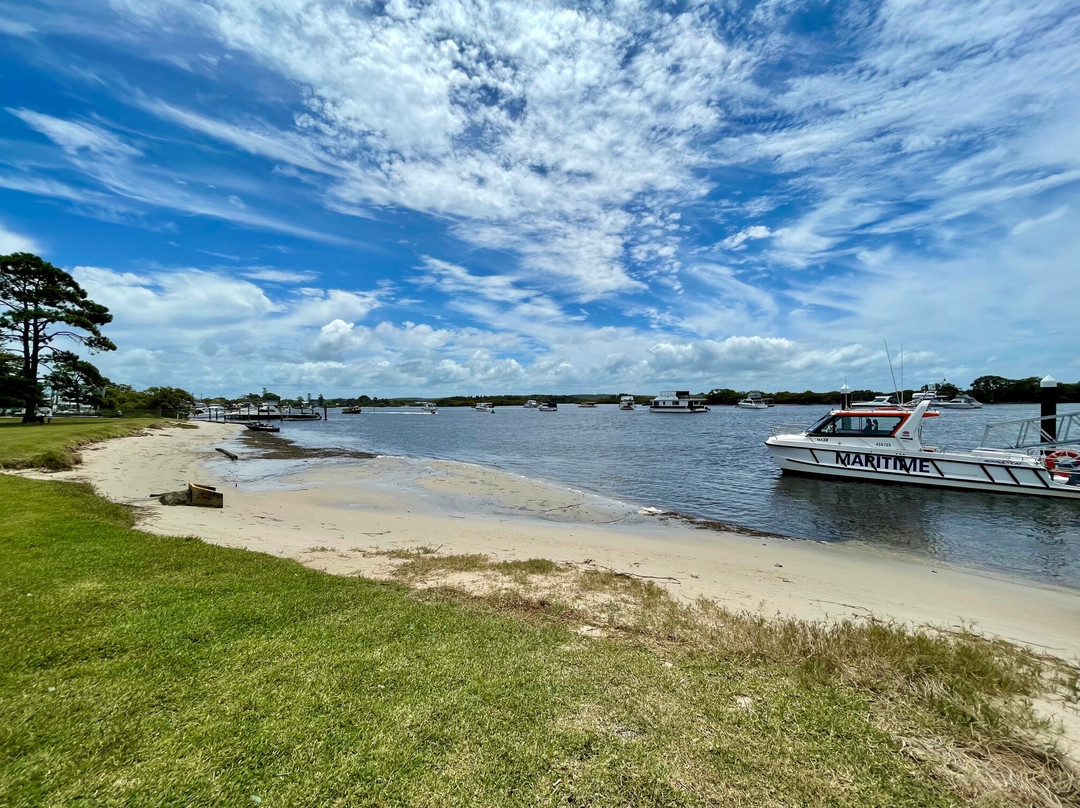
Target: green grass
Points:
(54, 445)
(139, 670)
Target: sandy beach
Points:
(342, 518)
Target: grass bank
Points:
(140, 670)
(55, 445)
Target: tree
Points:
(76, 380)
(40, 303)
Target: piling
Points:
(1048, 400)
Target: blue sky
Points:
(485, 196)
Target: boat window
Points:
(861, 425)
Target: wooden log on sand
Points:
(227, 453)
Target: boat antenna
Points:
(887, 356)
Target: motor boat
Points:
(626, 402)
(548, 406)
(351, 410)
(484, 406)
(259, 426)
(962, 401)
(531, 404)
(426, 407)
(677, 401)
(886, 445)
(588, 404)
(753, 401)
(877, 403)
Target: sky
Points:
(475, 197)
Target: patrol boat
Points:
(886, 445)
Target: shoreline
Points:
(344, 518)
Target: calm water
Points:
(716, 466)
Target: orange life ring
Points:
(1053, 457)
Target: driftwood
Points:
(227, 453)
(203, 496)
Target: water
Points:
(716, 466)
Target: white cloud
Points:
(11, 242)
(736, 241)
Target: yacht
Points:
(753, 401)
(877, 403)
(678, 401)
(531, 404)
(886, 445)
(484, 406)
(962, 401)
(548, 406)
(626, 402)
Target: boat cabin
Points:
(863, 423)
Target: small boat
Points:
(677, 401)
(626, 402)
(259, 426)
(484, 406)
(548, 406)
(877, 403)
(886, 445)
(962, 401)
(753, 401)
(531, 404)
(589, 404)
(426, 407)
(351, 410)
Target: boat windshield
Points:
(847, 423)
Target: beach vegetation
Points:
(39, 305)
(56, 447)
(140, 669)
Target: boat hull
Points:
(932, 469)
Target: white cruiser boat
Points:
(531, 404)
(753, 401)
(886, 445)
(679, 401)
(877, 403)
(484, 406)
(548, 406)
(962, 401)
(626, 402)
(426, 407)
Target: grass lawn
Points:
(53, 445)
(140, 670)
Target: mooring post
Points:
(845, 397)
(1048, 398)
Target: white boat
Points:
(531, 404)
(886, 445)
(626, 402)
(548, 406)
(678, 401)
(426, 407)
(962, 401)
(484, 406)
(877, 403)
(753, 401)
(589, 404)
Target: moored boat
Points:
(548, 406)
(626, 402)
(351, 410)
(753, 400)
(678, 401)
(259, 426)
(484, 406)
(886, 445)
(961, 401)
(877, 403)
(531, 404)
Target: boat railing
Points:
(1033, 433)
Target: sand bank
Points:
(339, 518)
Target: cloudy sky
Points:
(432, 197)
